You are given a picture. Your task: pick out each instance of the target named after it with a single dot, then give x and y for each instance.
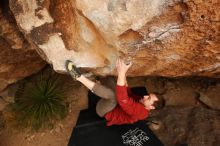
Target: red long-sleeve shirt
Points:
(128, 110)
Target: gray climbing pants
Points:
(108, 99)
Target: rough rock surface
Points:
(18, 58)
(162, 37)
(191, 126)
(211, 97)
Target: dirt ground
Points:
(181, 94)
(60, 134)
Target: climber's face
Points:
(148, 101)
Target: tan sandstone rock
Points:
(18, 58)
(161, 37)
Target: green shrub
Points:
(41, 103)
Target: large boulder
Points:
(162, 37)
(18, 58)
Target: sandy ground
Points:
(59, 136)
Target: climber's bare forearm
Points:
(122, 69)
(121, 80)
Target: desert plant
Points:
(41, 103)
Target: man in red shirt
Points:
(121, 106)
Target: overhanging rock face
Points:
(161, 37)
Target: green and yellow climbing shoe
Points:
(72, 70)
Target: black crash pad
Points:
(91, 130)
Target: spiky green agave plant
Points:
(41, 104)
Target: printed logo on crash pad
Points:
(136, 137)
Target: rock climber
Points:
(120, 106)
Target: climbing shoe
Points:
(72, 70)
